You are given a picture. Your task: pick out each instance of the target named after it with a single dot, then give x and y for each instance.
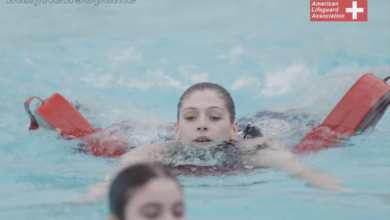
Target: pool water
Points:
(132, 62)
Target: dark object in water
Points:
(252, 132)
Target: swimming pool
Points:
(134, 61)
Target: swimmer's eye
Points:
(151, 211)
(178, 210)
(177, 213)
(151, 215)
(215, 118)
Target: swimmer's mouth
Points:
(202, 140)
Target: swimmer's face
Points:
(160, 198)
(204, 118)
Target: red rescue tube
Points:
(361, 107)
(56, 113)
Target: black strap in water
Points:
(252, 132)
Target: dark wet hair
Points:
(225, 95)
(129, 179)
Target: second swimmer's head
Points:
(144, 192)
(206, 113)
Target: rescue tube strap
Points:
(252, 132)
(34, 124)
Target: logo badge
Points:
(338, 10)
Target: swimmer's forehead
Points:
(208, 108)
(207, 100)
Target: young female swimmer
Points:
(145, 192)
(205, 115)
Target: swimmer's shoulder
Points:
(145, 153)
(259, 143)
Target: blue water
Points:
(131, 62)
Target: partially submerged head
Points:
(142, 192)
(206, 112)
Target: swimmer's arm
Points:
(146, 153)
(274, 156)
(142, 154)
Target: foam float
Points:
(361, 107)
(56, 113)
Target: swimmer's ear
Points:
(112, 217)
(234, 131)
(177, 133)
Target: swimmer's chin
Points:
(206, 144)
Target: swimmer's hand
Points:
(96, 192)
(269, 153)
(320, 179)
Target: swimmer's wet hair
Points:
(129, 180)
(225, 95)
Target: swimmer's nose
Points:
(202, 126)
